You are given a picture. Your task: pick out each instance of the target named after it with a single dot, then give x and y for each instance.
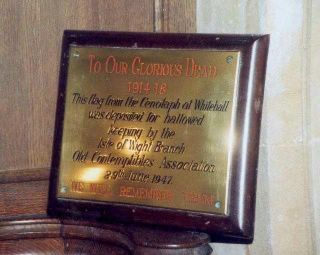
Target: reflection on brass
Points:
(149, 127)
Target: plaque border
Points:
(238, 225)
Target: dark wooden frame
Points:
(238, 225)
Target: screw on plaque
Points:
(229, 59)
(76, 54)
(217, 204)
(63, 189)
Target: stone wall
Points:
(288, 200)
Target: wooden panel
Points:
(23, 175)
(58, 247)
(23, 199)
(29, 60)
(51, 236)
(32, 246)
(175, 16)
(76, 246)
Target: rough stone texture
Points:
(288, 201)
(313, 113)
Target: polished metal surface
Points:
(149, 127)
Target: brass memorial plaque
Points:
(149, 127)
(159, 128)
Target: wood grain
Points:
(52, 236)
(175, 16)
(24, 175)
(29, 59)
(79, 246)
(26, 199)
(46, 246)
(32, 228)
(29, 62)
